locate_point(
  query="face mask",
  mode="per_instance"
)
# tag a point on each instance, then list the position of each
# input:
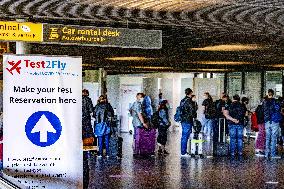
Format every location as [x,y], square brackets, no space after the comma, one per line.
[141,99]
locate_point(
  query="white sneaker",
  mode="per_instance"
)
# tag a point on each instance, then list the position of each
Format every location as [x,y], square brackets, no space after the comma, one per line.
[185,155]
[276,157]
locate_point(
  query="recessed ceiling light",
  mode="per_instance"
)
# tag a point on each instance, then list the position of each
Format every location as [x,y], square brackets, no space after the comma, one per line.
[133,58]
[153,67]
[233,47]
[214,70]
[277,66]
[224,63]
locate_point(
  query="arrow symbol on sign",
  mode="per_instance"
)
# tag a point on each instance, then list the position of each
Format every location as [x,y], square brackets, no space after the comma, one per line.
[43,126]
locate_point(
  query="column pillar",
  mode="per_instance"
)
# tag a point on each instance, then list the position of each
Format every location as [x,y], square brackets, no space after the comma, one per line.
[151,88]
[262,81]
[102,81]
[21,46]
[226,82]
[243,90]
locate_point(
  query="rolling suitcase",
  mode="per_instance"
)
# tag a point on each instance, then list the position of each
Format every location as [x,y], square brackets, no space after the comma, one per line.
[145,141]
[221,147]
[196,144]
[115,144]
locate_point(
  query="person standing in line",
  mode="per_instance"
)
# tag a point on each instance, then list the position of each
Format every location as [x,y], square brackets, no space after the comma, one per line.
[260,140]
[147,108]
[87,132]
[245,102]
[188,114]
[137,113]
[103,114]
[193,97]
[227,102]
[281,138]
[87,110]
[235,114]
[272,118]
[209,112]
[164,124]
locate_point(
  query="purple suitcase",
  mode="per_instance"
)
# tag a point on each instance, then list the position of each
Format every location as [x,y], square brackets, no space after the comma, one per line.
[145,142]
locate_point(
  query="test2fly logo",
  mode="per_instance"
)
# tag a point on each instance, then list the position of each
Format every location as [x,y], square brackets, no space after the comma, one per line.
[54,64]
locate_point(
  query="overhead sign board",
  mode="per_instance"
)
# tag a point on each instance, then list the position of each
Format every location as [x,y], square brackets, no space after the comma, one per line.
[21,31]
[42,120]
[105,37]
[80,35]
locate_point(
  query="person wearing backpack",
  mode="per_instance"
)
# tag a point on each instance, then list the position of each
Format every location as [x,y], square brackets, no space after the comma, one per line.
[209,112]
[235,114]
[163,126]
[272,118]
[103,113]
[185,114]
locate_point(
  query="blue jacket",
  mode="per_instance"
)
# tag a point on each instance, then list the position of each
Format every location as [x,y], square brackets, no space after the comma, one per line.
[271,110]
[147,107]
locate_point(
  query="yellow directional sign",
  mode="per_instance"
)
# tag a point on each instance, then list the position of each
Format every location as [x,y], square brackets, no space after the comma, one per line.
[102,36]
[21,31]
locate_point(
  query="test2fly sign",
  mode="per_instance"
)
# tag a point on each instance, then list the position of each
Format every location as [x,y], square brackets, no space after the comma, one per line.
[42,120]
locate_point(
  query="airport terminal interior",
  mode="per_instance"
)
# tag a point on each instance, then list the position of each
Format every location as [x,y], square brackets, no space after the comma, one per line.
[214,46]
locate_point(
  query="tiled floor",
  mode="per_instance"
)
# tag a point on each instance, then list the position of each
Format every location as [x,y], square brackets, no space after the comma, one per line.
[175,172]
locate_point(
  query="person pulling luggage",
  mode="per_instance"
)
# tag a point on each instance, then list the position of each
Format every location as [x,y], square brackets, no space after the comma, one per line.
[235,114]
[137,113]
[164,124]
[103,113]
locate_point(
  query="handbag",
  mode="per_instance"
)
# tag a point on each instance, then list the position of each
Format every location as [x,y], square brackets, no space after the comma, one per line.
[88,141]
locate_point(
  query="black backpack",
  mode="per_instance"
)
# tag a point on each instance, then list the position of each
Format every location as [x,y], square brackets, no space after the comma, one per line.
[155,120]
[102,113]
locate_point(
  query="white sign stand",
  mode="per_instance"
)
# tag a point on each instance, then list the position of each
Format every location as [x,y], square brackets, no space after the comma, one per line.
[42,120]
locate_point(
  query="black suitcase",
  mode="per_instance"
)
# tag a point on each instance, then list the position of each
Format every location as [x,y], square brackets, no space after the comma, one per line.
[115,145]
[221,147]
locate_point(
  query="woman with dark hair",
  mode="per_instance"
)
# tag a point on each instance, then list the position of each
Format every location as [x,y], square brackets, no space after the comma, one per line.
[87,110]
[209,114]
[163,126]
[103,113]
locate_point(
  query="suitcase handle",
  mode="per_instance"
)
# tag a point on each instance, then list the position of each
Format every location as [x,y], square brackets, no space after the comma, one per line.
[219,137]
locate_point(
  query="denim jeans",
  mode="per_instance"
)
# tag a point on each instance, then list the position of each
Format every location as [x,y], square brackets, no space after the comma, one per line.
[272,132]
[186,130]
[208,127]
[106,137]
[236,138]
